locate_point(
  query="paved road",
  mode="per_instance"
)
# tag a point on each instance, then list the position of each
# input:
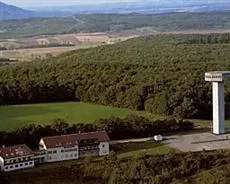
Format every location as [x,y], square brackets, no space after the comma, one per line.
[189,142]
[199,141]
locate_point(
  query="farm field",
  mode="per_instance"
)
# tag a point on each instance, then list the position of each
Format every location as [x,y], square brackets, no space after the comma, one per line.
[26,49]
[33,53]
[19,115]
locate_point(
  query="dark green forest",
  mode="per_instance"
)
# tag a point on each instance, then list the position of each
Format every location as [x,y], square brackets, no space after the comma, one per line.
[170,168]
[115,23]
[162,74]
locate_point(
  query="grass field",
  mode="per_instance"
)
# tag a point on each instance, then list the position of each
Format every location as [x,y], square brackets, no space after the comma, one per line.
[208,123]
[16,116]
[138,149]
[19,115]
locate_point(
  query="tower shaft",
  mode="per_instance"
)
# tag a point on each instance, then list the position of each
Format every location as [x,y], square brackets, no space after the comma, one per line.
[218,107]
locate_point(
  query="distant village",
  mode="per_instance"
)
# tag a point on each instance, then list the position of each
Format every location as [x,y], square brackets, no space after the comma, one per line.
[54,149]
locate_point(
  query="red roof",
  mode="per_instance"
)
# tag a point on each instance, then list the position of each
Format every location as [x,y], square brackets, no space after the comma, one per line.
[73,139]
[15,151]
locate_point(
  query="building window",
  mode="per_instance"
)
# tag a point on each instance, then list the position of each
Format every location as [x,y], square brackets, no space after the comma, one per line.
[11,166]
[103,145]
[21,165]
[6,167]
[31,163]
[66,156]
[50,152]
[26,163]
[16,165]
[54,151]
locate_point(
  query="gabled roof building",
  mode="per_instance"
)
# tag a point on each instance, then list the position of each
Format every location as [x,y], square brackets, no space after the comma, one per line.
[74,146]
[53,149]
[16,157]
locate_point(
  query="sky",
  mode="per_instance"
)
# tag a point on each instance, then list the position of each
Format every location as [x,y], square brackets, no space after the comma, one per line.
[37,3]
[43,3]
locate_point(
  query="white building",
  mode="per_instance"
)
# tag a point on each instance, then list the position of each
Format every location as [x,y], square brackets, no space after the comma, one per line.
[16,157]
[217,78]
[74,146]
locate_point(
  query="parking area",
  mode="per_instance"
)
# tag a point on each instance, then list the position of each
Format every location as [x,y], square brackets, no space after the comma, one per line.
[198,142]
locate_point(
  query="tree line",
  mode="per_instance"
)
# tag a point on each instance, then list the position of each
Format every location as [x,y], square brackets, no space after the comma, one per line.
[117,128]
[208,39]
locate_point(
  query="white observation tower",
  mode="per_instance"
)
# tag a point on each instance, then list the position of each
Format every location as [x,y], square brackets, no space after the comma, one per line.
[217,79]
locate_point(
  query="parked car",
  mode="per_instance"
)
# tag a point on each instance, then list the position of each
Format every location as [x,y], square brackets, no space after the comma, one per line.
[158,138]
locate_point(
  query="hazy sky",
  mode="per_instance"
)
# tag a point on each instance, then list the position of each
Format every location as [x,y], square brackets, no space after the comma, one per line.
[37,3]
[33,3]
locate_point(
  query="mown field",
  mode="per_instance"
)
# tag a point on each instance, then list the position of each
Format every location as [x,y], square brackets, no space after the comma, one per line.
[16,116]
[19,115]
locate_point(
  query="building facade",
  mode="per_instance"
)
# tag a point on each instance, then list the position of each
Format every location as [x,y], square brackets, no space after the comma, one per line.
[16,158]
[54,149]
[74,146]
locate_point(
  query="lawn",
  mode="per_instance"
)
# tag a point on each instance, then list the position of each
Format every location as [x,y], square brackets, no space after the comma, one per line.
[15,116]
[208,123]
[138,149]
[19,115]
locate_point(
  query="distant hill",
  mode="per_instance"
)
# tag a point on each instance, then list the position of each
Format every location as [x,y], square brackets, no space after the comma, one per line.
[142,23]
[144,7]
[148,7]
[13,12]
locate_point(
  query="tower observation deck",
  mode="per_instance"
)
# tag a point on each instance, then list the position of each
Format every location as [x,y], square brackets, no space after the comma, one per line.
[217,79]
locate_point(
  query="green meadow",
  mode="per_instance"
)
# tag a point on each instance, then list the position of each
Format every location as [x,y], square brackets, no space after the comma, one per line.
[16,116]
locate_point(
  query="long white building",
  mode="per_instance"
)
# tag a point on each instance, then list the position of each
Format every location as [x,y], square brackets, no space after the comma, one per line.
[53,149]
[74,146]
[16,157]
